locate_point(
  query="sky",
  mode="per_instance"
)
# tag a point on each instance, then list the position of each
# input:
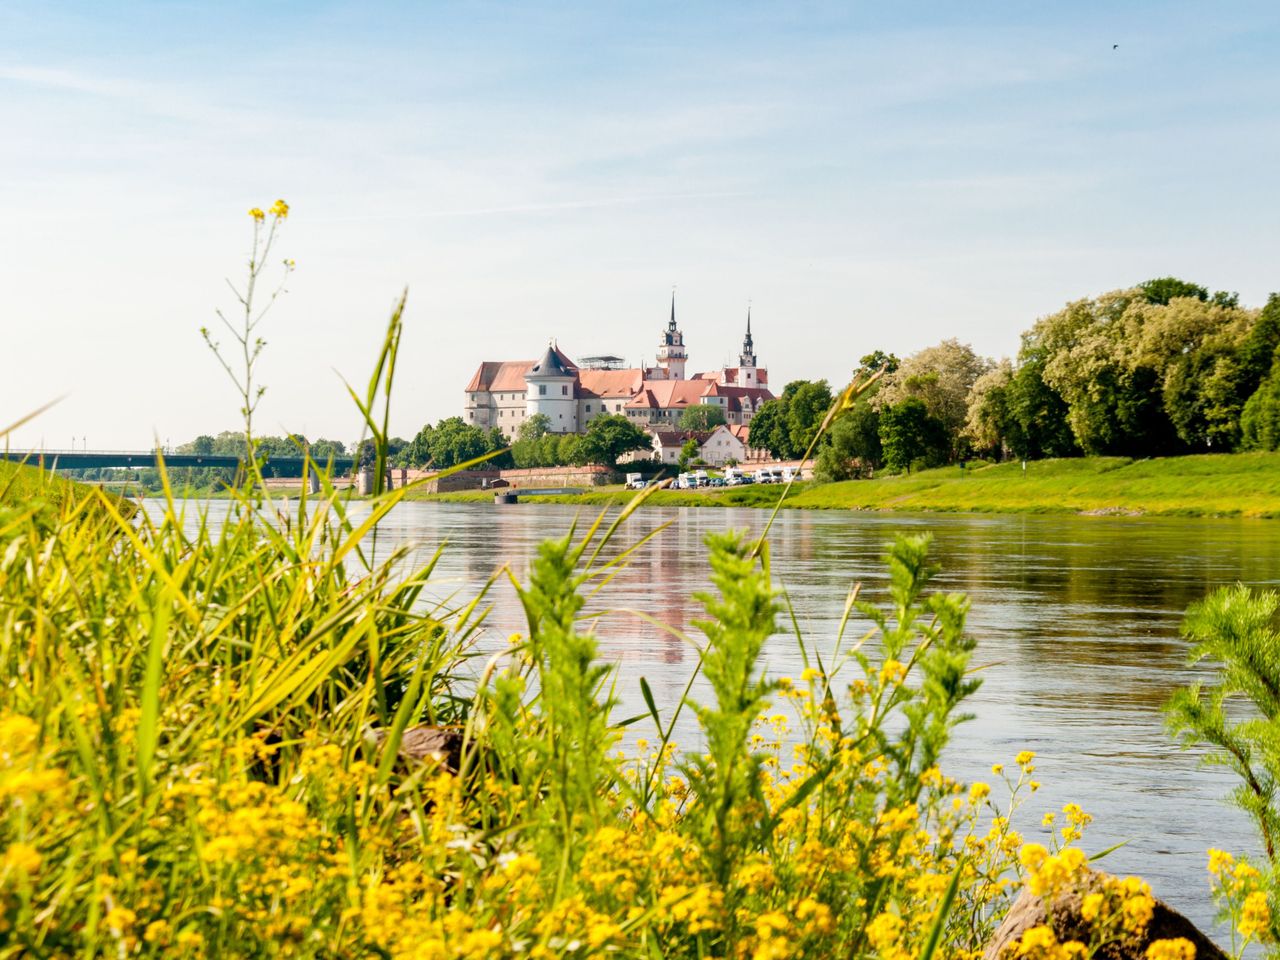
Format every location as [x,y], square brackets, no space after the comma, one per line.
[867,175]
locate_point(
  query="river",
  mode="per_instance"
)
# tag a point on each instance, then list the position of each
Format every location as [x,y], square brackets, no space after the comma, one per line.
[1077,621]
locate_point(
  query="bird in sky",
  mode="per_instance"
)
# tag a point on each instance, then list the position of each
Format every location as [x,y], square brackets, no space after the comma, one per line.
[1115,46]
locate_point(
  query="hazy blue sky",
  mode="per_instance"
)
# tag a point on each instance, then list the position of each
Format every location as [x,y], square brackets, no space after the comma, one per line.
[877,175]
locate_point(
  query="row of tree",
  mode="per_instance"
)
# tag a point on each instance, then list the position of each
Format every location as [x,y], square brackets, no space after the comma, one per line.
[1161,369]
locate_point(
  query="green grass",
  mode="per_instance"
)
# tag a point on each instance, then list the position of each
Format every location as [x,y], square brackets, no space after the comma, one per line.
[1241,484]
[21,483]
[1225,485]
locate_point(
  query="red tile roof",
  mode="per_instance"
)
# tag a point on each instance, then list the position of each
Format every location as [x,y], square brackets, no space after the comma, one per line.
[610,383]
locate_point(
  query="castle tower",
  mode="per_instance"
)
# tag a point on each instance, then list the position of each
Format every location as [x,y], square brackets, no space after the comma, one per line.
[551,389]
[671,355]
[748,370]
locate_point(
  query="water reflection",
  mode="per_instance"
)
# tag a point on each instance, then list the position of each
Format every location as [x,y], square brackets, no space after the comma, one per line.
[1077,620]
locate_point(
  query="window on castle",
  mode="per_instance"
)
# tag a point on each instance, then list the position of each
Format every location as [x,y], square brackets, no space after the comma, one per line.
[542,389]
[564,390]
[588,408]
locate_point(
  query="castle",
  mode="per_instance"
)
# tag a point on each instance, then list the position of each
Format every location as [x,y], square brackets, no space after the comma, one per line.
[505,393]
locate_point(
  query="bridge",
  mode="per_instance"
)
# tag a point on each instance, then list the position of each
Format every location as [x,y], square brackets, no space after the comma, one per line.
[141,459]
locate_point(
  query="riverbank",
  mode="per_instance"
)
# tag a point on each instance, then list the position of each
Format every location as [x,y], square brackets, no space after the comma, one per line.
[1225,485]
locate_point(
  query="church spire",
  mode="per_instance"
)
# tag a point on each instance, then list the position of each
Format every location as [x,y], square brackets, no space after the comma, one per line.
[672,325]
[748,356]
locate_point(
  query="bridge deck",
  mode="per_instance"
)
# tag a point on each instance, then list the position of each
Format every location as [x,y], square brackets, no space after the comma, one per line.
[86,459]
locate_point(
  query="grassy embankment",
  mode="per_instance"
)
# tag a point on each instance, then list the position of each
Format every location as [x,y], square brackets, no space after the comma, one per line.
[24,484]
[1244,484]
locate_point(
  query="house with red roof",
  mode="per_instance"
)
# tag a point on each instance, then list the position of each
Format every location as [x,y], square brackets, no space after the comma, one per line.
[506,393]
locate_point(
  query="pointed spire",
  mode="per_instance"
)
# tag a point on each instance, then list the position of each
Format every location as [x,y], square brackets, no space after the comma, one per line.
[672,325]
[748,356]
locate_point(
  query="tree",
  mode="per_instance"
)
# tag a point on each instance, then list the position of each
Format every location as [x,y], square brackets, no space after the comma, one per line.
[688,452]
[807,407]
[567,450]
[419,452]
[534,428]
[1260,420]
[497,440]
[991,427]
[609,437]
[909,433]
[1164,289]
[526,452]
[875,361]
[201,445]
[853,446]
[453,442]
[703,416]
[942,377]
[768,430]
[1038,414]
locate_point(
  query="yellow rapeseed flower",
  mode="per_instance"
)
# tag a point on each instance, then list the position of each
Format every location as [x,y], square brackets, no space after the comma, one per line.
[1219,860]
[21,858]
[257,214]
[1255,917]
[279,209]
[1178,948]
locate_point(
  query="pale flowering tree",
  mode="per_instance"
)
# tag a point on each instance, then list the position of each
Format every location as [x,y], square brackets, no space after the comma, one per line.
[251,310]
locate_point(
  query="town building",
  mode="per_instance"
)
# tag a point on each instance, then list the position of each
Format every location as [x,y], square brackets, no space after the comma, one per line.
[505,393]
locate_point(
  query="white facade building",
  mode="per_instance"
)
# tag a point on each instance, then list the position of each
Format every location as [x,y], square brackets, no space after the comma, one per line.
[503,394]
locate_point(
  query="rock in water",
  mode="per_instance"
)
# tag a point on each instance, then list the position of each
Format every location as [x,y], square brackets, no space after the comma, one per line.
[1029,911]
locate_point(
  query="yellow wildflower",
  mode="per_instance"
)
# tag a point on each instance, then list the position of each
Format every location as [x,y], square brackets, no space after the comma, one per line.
[257,214]
[22,858]
[1255,917]
[1219,860]
[279,209]
[1179,948]
[884,931]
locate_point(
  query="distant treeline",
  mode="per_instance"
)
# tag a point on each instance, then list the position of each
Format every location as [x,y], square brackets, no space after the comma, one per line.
[1161,369]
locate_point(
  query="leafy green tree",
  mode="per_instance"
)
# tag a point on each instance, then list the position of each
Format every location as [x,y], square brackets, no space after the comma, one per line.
[875,361]
[567,450]
[768,429]
[322,450]
[688,453]
[1164,289]
[1260,420]
[807,406]
[419,452]
[991,427]
[609,437]
[853,446]
[454,441]
[526,451]
[1258,352]
[702,416]
[909,433]
[942,376]
[534,428]
[497,441]
[201,446]
[1038,425]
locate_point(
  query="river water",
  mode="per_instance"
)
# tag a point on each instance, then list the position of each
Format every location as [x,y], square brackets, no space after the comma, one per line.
[1077,621]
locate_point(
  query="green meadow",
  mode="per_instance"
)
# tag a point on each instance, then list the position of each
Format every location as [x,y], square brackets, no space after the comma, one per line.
[1240,484]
